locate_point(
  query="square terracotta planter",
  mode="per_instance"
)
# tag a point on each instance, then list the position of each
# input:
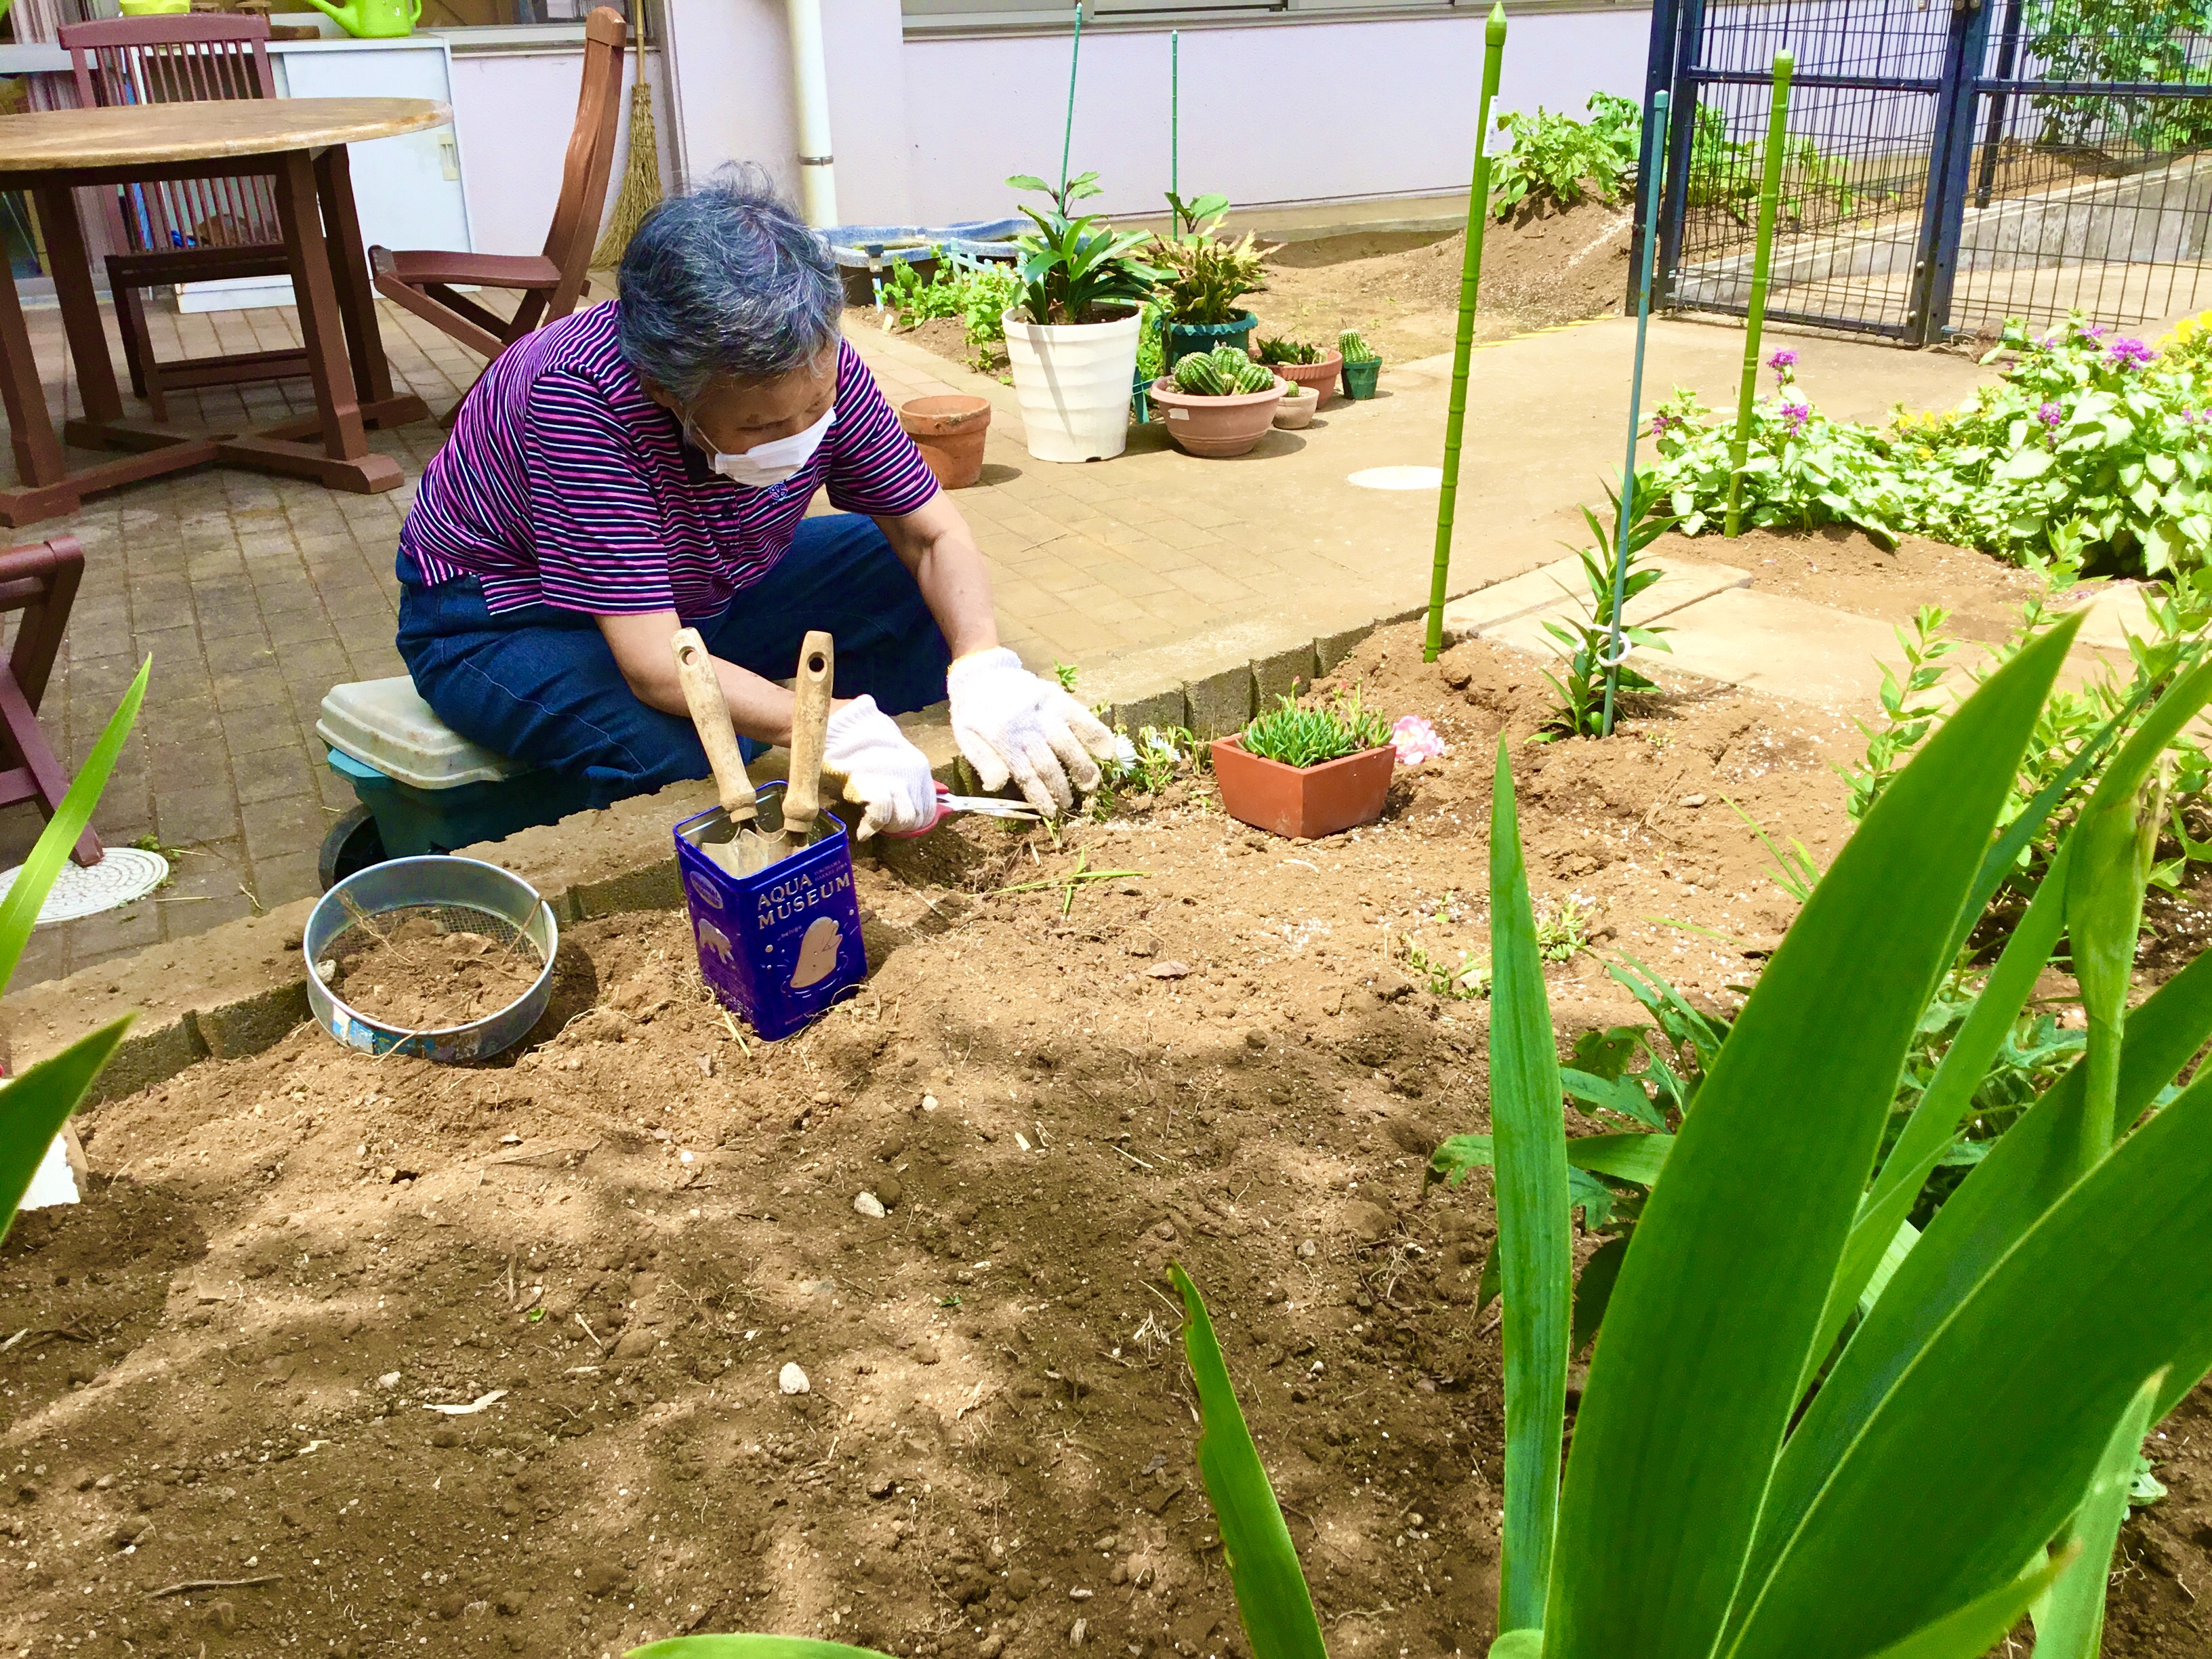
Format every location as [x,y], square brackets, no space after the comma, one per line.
[1304,803]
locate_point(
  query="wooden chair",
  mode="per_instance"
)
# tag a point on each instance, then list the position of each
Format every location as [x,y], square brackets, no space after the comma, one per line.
[40,581]
[550,282]
[186,230]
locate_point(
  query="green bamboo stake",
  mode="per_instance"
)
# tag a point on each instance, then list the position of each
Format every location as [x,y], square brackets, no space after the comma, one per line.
[1770,197]
[1655,148]
[1067,138]
[1470,285]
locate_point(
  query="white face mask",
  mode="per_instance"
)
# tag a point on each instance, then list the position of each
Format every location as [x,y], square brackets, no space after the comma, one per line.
[765,465]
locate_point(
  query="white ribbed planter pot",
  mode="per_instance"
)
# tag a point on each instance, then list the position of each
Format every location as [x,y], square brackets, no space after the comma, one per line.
[1072,380]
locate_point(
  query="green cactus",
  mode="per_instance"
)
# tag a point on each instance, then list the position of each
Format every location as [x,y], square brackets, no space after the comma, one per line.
[1224,372]
[1355,350]
[1200,375]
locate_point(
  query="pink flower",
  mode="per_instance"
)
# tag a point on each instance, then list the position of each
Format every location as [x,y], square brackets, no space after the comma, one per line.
[2125,351]
[1415,740]
[2051,415]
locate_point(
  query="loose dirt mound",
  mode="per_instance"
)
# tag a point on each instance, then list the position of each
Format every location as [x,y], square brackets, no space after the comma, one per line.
[266,1350]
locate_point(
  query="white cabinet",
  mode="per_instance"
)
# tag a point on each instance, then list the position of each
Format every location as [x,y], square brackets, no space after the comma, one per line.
[407,190]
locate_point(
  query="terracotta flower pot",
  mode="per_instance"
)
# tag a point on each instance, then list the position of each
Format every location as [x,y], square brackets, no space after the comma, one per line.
[1304,803]
[948,429]
[1320,378]
[1294,412]
[1216,426]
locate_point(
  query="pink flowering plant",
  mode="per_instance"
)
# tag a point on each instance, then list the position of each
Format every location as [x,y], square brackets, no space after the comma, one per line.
[2093,451]
[1415,739]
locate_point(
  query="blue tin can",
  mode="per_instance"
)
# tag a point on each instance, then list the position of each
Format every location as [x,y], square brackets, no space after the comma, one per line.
[781,945]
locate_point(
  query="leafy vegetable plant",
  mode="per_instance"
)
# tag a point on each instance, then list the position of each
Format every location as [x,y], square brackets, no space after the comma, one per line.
[1075,267]
[1558,159]
[1978,1385]
[35,1106]
[1307,737]
[980,297]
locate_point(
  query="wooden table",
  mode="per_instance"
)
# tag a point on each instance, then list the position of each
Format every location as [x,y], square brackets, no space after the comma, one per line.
[301,142]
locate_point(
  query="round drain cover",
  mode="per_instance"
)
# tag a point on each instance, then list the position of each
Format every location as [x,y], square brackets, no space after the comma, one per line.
[1399,477]
[126,873]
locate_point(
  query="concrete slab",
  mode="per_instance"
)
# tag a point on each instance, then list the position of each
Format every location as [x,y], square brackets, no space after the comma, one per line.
[1784,647]
[1682,583]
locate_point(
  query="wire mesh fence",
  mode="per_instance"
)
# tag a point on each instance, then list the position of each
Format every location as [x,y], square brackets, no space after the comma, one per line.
[1944,169]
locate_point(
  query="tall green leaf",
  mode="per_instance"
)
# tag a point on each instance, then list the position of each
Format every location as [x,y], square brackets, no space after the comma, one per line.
[1263,1564]
[2069,1616]
[1720,1298]
[35,1106]
[1978,1626]
[749,1647]
[1528,1121]
[2004,1414]
[2025,1173]
[19,911]
[1944,1104]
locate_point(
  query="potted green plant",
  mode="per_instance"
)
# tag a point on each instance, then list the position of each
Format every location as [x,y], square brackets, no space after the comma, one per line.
[1202,277]
[1312,366]
[1218,403]
[1297,409]
[1072,337]
[1306,773]
[1362,364]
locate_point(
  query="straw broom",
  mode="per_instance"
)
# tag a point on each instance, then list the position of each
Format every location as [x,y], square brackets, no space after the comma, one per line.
[641,184]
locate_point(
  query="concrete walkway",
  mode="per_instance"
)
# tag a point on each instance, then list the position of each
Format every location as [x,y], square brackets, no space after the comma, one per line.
[1151,572]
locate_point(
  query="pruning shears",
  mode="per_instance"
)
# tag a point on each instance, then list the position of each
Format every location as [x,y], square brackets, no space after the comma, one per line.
[990,806]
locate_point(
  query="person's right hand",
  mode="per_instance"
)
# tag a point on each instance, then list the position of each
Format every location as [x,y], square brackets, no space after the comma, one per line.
[875,767]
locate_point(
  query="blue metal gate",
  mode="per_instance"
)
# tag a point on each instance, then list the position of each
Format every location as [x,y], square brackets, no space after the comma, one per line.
[1948,167]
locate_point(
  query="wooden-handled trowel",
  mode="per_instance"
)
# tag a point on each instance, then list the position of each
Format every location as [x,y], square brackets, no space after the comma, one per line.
[736,844]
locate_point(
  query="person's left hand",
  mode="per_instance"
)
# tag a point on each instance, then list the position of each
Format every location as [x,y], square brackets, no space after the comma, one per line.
[1011,723]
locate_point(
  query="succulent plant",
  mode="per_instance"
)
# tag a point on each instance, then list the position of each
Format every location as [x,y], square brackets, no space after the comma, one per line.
[1224,372]
[1355,350]
[1282,351]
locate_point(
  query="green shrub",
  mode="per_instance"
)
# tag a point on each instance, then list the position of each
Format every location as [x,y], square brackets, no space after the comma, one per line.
[2089,453]
[1203,277]
[980,298]
[1353,350]
[1307,737]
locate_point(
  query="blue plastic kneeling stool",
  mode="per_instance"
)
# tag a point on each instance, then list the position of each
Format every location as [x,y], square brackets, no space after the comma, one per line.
[430,788]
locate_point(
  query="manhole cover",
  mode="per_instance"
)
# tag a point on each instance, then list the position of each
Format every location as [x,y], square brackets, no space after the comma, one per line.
[1399,477]
[126,873]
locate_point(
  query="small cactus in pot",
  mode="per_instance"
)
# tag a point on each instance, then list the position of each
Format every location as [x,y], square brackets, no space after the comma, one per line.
[1362,364]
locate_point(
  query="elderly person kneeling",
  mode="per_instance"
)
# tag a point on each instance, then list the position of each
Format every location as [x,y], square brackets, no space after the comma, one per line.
[646,465]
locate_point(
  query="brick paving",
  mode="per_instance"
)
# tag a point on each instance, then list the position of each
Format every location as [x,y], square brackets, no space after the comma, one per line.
[255,594]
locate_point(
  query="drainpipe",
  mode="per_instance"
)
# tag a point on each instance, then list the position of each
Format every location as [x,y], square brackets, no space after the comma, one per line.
[810,79]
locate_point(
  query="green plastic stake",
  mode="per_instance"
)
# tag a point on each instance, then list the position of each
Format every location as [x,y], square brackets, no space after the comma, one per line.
[1770,197]
[1655,127]
[1067,136]
[1470,285]
[1175,114]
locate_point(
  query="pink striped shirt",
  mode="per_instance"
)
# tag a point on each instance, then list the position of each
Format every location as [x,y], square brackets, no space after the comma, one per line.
[564,484]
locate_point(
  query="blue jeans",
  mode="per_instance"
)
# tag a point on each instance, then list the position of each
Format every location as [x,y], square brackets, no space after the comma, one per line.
[540,684]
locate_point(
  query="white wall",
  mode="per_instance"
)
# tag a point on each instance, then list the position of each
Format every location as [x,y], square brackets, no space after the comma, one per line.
[927,131]
[513,186]
[1382,108]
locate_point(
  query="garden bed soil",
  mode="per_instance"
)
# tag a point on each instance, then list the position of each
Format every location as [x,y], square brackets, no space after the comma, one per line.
[413,977]
[449,1360]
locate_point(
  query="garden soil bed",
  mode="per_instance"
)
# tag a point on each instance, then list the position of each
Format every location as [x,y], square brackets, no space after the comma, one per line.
[470,1361]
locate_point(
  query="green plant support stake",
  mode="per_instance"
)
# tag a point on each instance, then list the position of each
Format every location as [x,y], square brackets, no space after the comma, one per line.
[1068,135]
[1470,285]
[1770,197]
[1654,125]
[1175,114]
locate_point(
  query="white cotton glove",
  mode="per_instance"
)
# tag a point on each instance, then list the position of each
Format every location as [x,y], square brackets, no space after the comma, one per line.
[877,769]
[1011,723]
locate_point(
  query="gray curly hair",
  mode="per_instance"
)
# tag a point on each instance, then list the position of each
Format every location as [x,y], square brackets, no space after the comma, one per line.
[726,280]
